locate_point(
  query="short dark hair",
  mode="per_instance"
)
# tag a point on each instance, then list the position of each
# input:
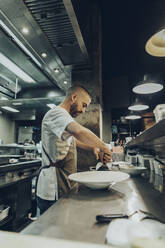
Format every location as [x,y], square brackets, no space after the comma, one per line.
[74,88]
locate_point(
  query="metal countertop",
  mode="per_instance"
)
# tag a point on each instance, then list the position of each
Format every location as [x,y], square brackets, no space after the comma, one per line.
[73,217]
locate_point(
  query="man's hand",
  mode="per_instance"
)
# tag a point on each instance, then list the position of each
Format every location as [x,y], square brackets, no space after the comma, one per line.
[96,152]
[105,155]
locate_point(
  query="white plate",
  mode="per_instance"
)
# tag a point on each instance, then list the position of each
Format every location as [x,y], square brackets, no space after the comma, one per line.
[98,179]
[133,170]
[122,163]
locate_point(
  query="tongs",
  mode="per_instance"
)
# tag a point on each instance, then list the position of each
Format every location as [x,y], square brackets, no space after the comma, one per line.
[148,215]
[106,218]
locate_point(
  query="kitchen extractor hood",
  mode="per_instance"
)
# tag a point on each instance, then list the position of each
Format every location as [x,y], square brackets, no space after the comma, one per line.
[43,41]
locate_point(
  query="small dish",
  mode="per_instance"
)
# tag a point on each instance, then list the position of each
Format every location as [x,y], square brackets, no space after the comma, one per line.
[132,170]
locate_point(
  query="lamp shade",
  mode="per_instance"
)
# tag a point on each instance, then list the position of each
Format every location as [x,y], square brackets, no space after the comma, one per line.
[148,86]
[155,46]
[138,106]
[133,116]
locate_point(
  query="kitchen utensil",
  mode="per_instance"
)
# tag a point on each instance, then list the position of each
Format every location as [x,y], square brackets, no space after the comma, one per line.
[106,218]
[148,215]
[137,215]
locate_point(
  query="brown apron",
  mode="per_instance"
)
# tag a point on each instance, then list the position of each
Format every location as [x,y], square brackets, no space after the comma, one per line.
[66,167]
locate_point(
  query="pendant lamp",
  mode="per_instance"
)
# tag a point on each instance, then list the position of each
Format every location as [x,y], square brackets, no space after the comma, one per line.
[155,46]
[138,106]
[133,116]
[148,85]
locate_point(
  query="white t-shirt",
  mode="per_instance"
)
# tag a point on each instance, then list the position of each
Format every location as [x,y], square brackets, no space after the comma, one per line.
[56,142]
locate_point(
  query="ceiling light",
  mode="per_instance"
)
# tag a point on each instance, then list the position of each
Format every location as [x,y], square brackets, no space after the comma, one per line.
[147,86]
[65,82]
[19,43]
[25,30]
[132,117]
[56,70]
[17,103]
[44,55]
[15,69]
[138,106]
[155,46]
[10,109]
[51,105]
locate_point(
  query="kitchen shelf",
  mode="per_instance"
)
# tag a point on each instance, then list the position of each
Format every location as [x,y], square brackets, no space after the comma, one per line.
[20,165]
[152,139]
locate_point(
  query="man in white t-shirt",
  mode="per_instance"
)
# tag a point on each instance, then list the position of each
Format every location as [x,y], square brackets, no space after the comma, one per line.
[60,136]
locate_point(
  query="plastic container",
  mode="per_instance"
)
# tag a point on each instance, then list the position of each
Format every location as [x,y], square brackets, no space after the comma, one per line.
[159,112]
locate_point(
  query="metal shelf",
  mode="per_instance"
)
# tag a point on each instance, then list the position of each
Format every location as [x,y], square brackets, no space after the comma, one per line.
[152,138]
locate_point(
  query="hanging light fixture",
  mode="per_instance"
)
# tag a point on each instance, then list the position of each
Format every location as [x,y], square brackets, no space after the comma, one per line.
[155,46]
[147,86]
[133,116]
[138,106]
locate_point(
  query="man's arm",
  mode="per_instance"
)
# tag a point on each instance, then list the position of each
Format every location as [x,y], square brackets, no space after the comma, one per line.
[95,150]
[83,146]
[88,138]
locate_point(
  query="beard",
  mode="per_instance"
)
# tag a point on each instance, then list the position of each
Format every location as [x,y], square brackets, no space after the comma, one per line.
[73,110]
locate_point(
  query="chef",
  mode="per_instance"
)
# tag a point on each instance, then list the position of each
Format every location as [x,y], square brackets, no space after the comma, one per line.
[60,136]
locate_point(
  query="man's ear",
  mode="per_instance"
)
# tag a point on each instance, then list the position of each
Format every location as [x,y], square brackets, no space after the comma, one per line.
[74,98]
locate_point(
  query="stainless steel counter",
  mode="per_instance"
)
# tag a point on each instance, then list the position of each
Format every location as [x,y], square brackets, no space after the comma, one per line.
[73,217]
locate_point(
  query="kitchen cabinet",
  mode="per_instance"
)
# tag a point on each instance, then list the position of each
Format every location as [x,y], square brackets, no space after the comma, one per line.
[16,191]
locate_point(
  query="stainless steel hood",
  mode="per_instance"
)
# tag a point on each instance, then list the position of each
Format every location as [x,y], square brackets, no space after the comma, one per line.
[59,23]
[52,29]
[25,49]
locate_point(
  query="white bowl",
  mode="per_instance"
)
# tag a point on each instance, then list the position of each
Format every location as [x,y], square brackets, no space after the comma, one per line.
[132,170]
[98,179]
